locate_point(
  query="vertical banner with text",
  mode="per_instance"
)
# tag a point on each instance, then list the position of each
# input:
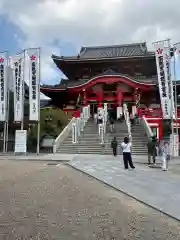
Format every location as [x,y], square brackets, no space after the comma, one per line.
[162,72]
[18,82]
[3,86]
[167,61]
[34,83]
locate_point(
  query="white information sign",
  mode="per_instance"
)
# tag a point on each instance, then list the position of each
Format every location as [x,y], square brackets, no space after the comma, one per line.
[21,141]
[174,145]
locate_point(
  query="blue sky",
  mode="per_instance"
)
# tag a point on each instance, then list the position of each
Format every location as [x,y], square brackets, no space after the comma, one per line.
[12,36]
[177,68]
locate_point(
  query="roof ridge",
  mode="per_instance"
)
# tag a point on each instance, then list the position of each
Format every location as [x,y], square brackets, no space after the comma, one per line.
[115,45]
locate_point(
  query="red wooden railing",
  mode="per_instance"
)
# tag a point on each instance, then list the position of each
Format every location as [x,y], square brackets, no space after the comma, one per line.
[152,113]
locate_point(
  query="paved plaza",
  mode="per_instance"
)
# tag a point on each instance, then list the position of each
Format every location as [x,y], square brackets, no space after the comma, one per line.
[47,201]
[150,185]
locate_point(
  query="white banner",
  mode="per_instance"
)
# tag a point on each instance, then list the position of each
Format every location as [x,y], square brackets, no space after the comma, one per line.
[177,49]
[119,112]
[162,72]
[18,82]
[34,81]
[134,111]
[167,58]
[3,86]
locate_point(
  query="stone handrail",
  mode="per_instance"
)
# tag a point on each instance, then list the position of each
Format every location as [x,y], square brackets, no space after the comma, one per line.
[127,120]
[63,135]
[146,127]
[79,124]
[102,127]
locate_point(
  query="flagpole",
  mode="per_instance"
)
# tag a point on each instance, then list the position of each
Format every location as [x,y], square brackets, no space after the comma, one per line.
[23,80]
[5,96]
[175,87]
[175,92]
[39,126]
[170,88]
[7,116]
[7,124]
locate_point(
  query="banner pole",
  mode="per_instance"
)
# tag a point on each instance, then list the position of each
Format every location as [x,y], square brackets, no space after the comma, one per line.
[7,121]
[171,93]
[38,123]
[175,92]
[5,96]
[175,89]
[7,102]
[24,67]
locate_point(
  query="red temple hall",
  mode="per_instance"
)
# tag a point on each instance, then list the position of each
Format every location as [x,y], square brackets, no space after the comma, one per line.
[109,74]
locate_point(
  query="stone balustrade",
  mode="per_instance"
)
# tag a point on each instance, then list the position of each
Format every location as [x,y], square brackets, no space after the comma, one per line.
[127,120]
[79,124]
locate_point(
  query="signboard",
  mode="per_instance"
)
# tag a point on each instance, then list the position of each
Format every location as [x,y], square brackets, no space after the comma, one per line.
[21,141]
[174,145]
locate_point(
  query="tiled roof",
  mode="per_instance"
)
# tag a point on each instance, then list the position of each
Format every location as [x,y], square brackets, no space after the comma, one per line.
[126,50]
[114,51]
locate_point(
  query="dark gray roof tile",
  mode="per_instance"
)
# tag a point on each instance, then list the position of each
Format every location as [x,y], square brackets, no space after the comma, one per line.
[127,50]
[114,51]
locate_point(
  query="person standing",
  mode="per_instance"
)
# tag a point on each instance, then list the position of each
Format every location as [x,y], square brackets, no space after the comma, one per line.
[165,156]
[100,118]
[131,119]
[111,124]
[114,145]
[126,146]
[151,146]
[95,118]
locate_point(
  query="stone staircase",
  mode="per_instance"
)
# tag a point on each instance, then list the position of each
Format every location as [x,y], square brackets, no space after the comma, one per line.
[139,139]
[120,132]
[88,144]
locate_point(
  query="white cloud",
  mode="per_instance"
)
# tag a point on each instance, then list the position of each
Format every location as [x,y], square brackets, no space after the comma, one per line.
[90,22]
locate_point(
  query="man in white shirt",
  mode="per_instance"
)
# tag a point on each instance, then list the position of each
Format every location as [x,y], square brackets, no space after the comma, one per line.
[126,149]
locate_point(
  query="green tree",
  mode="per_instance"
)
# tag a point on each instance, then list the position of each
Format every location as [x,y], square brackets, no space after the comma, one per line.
[52,122]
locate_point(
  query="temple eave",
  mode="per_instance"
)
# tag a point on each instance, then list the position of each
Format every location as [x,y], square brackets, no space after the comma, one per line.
[76,59]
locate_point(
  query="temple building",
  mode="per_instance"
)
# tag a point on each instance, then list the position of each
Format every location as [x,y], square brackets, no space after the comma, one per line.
[109,74]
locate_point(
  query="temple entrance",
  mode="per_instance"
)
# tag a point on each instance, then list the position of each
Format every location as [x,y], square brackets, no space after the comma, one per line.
[93,108]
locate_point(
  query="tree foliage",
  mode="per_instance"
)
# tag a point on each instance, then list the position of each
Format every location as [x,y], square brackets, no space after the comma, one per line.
[52,122]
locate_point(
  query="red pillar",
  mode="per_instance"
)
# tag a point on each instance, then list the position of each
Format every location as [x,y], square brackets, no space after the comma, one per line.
[100,96]
[119,97]
[137,97]
[85,102]
[160,129]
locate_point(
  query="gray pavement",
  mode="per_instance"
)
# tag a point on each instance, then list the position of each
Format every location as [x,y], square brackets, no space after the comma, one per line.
[69,157]
[152,186]
[40,157]
[40,201]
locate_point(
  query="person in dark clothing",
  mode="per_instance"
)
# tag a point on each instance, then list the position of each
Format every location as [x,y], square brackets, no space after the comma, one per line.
[151,145]
[114,145]
[131,119]
[127,158]
[111,124]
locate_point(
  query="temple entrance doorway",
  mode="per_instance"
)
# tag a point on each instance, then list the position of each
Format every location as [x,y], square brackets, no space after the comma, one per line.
[93,108]
[129,106]
[112,114]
